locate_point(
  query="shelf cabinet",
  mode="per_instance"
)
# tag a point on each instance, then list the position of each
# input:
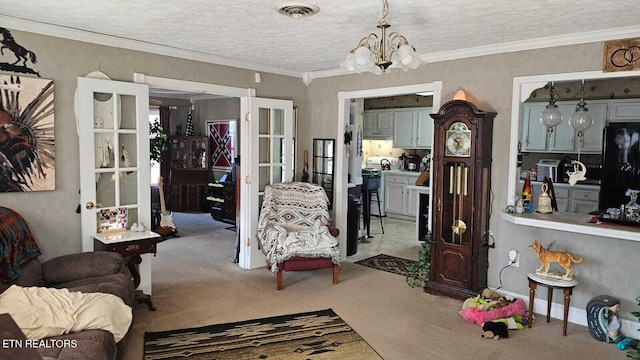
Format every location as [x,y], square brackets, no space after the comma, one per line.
[563,139]
[412,128]
[400,202]
[187,187]
[377,124]
[188,152]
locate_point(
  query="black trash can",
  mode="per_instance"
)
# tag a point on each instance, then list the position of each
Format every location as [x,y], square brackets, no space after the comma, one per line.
[353,224]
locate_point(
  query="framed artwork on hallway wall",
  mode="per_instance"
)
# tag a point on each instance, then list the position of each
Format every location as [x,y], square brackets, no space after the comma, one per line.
[27,139]
[223,143]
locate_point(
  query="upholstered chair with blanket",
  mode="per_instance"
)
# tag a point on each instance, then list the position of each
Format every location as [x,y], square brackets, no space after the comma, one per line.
[82,274]
[294,229]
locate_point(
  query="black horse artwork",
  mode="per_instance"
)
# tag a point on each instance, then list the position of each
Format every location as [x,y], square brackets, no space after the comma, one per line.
[22,55]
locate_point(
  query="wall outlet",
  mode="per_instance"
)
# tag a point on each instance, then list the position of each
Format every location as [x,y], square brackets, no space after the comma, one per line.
[514,258]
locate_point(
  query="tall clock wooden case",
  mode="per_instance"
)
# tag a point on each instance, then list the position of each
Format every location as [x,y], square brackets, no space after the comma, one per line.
[461,199]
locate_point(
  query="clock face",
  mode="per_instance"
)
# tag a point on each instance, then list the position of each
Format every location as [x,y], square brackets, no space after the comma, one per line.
[458,140]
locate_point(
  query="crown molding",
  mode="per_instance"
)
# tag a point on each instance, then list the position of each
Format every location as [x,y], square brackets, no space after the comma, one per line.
[307,77]
[100,39]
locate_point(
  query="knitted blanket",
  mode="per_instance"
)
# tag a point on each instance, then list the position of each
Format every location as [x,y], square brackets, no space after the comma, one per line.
[17,244]
[293,222]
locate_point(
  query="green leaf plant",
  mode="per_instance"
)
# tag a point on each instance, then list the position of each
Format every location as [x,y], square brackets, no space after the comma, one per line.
[419,272]
[635,353]
[158,142]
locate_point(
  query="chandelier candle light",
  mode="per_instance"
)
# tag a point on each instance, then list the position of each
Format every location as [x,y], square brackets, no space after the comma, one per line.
[375,54]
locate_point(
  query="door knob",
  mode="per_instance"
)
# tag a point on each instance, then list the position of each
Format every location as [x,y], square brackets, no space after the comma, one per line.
[90,205]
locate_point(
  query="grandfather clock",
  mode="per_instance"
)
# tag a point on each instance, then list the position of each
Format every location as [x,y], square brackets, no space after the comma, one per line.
[461,200]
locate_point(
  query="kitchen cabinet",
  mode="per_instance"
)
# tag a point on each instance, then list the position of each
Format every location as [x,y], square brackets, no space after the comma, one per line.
[624,110]
[377,124]
[400,202]
[578,199]
[412,128]
[563,139]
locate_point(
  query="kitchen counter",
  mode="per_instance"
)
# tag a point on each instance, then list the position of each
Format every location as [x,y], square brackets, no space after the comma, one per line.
[407,173]
[574,223]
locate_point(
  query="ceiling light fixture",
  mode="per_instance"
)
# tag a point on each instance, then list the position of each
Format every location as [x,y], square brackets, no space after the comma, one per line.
[551,116]
[581,120]
[375,54]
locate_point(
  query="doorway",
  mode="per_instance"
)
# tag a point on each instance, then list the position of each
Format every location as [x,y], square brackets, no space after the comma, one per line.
[344,101]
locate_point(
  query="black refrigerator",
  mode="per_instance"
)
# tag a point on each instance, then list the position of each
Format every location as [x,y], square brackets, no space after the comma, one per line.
[620,164]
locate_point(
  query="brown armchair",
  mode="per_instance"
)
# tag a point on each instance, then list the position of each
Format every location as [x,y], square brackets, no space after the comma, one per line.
[99,271]
[294,231]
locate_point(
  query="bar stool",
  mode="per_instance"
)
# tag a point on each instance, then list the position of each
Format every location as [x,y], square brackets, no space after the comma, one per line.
[551,283]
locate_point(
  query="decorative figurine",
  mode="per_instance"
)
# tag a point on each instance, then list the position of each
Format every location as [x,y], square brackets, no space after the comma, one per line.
[602,318]
[544,201]
[578,172]
[564,259]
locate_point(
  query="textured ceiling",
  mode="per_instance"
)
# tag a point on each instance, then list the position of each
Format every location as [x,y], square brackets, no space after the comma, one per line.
[252,34]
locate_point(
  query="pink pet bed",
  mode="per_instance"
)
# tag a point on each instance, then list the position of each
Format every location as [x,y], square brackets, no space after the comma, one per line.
[479,316]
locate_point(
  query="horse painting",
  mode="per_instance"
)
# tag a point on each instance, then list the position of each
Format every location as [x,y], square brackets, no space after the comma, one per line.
[22,54]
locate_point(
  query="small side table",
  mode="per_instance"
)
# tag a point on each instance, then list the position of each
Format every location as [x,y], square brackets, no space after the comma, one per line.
[131,245]
[551,283]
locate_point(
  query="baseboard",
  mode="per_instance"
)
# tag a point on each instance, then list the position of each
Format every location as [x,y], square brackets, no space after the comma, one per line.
[578,316]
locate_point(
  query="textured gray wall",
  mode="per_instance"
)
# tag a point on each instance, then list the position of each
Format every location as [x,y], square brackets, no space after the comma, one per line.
[51,214]
[609,264]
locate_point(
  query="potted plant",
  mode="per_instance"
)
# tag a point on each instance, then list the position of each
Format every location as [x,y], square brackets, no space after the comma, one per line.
[158,142]
[635,353]
[419,272]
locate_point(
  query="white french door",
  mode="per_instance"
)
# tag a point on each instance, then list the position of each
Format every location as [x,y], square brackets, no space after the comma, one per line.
[113,126]
[267,158]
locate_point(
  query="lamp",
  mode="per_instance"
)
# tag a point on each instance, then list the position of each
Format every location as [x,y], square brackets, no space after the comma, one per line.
[375,54]
[551,116]
[581,120]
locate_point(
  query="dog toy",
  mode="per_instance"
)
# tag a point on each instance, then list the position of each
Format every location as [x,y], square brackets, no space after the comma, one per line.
[495,330]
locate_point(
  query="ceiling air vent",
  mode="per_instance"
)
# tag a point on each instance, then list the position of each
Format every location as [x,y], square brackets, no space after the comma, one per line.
[297,10]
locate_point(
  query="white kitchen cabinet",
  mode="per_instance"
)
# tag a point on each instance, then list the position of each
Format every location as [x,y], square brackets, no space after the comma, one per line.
[400,201]
[624,110]
[563,138]
[411,207]
[394,201]
[583,201]
[579,199]
[378,124]
[404,129]
[425,128]
[412,128]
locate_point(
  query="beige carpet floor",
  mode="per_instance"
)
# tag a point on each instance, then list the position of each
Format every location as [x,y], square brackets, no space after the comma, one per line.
[195,283]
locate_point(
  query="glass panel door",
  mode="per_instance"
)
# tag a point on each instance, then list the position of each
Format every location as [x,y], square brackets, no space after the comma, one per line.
[114,169]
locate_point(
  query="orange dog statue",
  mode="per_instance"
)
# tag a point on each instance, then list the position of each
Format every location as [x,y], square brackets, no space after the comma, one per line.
[564,259]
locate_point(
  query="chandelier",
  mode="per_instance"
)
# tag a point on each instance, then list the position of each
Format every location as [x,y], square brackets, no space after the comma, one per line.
[375,54]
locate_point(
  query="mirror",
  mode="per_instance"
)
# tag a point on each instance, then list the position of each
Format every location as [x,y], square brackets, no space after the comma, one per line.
[323,162]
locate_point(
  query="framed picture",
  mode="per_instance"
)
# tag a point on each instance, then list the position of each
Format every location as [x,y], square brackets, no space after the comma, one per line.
[223,142]
[621,55]
[27,141]
[113,220]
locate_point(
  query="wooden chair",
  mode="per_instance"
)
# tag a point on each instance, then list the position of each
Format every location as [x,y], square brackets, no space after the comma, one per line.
[294,231]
